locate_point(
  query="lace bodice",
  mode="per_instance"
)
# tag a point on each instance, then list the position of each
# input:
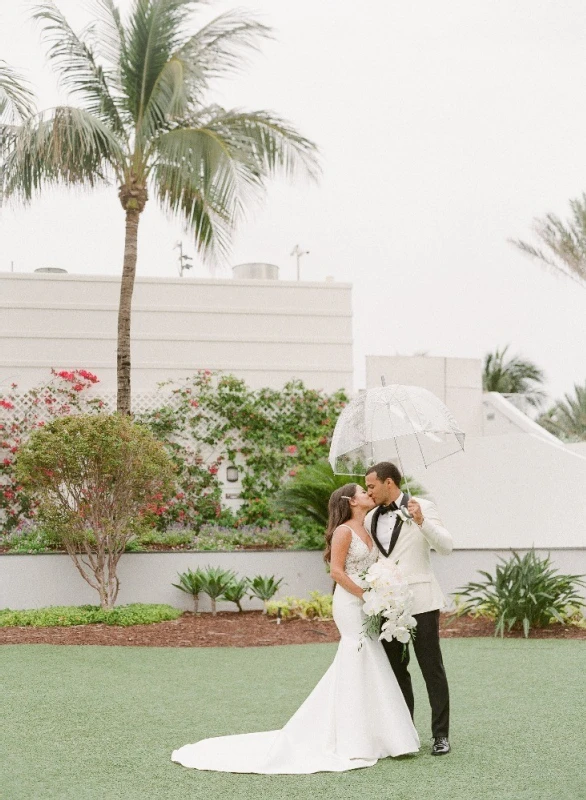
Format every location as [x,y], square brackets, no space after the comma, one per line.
[359,557]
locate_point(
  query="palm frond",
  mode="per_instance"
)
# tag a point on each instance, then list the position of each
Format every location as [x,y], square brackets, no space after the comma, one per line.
[17,100]
[206,179]
[109,32]
[69,146]
[221,47]
[271,143]
[512,375]
[567,418]
[564,243]
[76,64]
[168,101]
[155,30]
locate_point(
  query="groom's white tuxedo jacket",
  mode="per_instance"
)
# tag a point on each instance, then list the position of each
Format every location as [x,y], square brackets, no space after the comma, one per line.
[412,552]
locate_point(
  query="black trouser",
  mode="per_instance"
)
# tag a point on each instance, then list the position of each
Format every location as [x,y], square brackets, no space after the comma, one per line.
[429,657]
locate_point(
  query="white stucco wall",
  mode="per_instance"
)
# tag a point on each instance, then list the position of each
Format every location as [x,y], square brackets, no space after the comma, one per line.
[35,581]
[264,331]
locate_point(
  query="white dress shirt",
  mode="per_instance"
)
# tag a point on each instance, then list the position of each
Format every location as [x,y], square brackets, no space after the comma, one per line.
[385,525]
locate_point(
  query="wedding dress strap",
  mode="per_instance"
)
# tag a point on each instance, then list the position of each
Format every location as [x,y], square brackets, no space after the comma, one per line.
[343,525]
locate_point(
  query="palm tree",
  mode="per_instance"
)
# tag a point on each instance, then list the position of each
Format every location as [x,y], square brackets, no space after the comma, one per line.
[146,122]
[512,376]
[564,243]
[567,418]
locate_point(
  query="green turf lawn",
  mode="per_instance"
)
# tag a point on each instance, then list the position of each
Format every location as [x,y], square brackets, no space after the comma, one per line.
[101,722]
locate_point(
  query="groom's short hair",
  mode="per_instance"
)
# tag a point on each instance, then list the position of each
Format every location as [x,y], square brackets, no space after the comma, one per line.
[386,469]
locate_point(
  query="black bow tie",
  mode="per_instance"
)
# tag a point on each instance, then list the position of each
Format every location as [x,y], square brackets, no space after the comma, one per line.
[391,507]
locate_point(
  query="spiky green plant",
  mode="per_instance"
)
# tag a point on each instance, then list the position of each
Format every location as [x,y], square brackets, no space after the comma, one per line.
[265,587]
[236,591]
[215,581]
[562,245]
[513,375]
[525,591]
[308,493]
[567,418]
[191,583]
[146,123]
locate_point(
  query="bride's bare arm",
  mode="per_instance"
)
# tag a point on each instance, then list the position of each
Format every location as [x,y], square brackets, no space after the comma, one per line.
[340,544]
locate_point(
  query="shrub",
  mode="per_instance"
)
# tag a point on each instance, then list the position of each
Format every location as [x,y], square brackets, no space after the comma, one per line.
[64,616]
[213,537]
[95,477]
[524,592]
[319,606]
[65,393]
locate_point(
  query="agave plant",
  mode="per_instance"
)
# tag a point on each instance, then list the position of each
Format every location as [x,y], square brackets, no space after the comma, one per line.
[146,123]
[215,581]
[308,494]
[265,587]
[236,591]
[191,583]
[525,591]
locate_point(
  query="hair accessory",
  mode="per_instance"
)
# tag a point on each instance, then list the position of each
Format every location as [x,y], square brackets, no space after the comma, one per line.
[345,497]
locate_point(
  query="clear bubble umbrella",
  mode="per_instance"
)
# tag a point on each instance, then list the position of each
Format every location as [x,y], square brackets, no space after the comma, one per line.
[408,425]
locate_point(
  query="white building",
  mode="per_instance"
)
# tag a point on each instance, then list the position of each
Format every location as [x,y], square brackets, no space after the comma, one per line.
[263,330]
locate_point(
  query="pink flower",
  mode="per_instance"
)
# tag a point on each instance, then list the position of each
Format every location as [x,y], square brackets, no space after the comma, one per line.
[194,403]
[291,449]
[89,376]
[292,472]
[67,376]
[6,404]
[78,387]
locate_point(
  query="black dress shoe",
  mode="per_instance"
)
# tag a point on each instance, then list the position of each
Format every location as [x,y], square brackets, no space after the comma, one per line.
[440,746]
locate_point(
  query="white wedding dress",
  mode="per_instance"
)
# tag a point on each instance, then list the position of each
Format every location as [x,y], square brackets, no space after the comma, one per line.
[355,715]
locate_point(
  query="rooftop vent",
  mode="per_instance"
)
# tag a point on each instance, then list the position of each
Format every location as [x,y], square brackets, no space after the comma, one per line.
[259,272]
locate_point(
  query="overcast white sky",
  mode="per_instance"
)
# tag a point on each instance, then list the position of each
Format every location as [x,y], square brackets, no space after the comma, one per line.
[445,127]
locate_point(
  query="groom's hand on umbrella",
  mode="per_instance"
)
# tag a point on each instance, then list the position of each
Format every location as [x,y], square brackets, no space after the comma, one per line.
[414,509]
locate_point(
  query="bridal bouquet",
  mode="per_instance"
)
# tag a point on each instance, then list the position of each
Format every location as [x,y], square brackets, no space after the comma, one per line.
[388,603]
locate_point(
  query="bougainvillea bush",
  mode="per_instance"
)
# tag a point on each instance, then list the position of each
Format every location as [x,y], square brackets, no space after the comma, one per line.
[268,433]
[64,394]
[205,422]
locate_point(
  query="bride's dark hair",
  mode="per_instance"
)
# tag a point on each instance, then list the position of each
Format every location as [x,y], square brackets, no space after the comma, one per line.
[339,511]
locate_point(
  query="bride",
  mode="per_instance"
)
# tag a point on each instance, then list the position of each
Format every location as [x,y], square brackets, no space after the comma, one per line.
[356,714]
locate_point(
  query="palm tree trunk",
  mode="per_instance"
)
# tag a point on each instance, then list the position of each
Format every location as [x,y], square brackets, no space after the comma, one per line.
[124,310]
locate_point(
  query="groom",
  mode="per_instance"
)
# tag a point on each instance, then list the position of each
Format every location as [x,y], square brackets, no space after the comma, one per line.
[409,544]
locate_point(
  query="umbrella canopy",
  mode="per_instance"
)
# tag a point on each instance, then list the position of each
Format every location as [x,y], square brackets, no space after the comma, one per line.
[407,424]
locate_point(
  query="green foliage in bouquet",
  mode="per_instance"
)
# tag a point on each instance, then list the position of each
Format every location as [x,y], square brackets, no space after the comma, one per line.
[525,591]
[318,606]
[64,616]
